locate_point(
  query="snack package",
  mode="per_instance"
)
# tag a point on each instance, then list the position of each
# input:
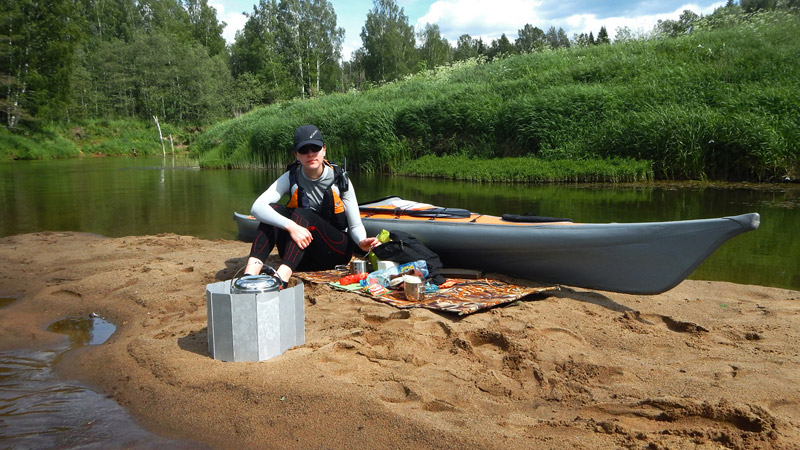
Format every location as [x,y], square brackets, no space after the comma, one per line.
[393,277]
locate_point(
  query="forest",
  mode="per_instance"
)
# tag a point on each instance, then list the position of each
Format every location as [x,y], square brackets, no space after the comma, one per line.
[696,97]
[66,60]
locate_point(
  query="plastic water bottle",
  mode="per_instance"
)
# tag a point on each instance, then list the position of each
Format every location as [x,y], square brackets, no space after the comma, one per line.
[377,277]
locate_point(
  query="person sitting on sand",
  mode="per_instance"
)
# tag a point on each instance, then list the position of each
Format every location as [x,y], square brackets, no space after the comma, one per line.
[319,227]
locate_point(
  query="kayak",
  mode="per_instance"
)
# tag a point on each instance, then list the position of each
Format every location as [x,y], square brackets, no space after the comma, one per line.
[634,258]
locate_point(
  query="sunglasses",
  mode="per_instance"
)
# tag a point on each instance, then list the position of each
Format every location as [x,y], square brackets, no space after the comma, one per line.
[309,149]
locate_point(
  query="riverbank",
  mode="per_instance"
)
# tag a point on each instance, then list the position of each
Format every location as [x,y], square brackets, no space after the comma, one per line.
[96,137]
[703,365]
[718,103]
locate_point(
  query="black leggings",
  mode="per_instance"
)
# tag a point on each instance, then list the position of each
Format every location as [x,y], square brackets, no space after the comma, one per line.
[329,245]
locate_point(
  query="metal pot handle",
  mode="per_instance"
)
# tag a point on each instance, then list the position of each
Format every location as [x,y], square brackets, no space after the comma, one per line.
[233,280]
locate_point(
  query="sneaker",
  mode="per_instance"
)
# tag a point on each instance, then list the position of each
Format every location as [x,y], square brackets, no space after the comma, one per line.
[284,284]
[268,270]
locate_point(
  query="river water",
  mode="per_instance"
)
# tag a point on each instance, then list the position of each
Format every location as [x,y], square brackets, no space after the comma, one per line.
[40,410]
[138,196]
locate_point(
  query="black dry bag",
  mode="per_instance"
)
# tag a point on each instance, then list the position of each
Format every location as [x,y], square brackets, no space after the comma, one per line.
[405,248]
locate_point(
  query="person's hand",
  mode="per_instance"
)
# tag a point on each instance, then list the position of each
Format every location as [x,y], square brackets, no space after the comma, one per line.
[300,235]
[368,243]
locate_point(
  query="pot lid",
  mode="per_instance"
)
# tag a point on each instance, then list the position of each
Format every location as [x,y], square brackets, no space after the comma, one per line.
[254,284]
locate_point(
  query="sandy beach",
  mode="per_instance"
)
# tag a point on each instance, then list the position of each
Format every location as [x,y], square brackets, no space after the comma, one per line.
[707,365]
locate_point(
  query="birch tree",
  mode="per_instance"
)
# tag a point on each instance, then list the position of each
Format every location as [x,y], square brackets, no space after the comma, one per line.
[206,29]
[323,40]
[256,52]
[434,50]
[530,39]
[388,41]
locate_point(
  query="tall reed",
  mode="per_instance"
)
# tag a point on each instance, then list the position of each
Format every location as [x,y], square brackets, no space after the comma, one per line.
[529,169]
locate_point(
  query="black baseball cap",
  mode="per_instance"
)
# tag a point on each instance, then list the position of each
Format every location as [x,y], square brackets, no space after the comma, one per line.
[307,135]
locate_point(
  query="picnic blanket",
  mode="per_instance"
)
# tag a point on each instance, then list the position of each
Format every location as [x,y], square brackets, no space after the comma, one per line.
[456,295]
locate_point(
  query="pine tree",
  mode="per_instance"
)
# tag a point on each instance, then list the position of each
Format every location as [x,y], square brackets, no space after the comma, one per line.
[602,36]
[563,40]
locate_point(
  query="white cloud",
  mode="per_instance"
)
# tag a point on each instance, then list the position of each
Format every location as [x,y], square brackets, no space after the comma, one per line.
[235,21]
[584,23]
[489,20]
[480,18]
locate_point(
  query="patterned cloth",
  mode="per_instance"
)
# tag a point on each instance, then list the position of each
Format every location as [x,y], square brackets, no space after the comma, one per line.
[457,295]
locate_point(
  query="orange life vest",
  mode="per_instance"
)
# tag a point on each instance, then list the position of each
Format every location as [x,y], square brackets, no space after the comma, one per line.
[332,207]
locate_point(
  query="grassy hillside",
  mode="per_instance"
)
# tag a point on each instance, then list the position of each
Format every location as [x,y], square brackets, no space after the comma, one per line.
[90,137]
[38,144]
[721,103]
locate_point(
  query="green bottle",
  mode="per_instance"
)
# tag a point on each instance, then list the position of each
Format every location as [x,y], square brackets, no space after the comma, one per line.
[383,237]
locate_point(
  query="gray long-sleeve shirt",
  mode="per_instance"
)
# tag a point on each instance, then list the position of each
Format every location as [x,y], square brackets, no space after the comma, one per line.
[315,189]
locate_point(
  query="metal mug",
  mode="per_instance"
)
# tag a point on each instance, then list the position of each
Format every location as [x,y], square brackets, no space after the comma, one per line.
[414,288]
[358,266]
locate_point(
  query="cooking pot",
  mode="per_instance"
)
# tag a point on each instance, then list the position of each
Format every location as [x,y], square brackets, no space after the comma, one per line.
[255,284]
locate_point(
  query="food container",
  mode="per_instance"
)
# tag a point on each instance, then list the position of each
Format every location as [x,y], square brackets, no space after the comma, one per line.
[414,288]
[358,266]
[383,265]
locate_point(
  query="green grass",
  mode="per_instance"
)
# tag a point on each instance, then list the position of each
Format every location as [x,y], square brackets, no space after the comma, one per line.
[106,137]
[529,169]
[42,144]
[120,137]
[717,104]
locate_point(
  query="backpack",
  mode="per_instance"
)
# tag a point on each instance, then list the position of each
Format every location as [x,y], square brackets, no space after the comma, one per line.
[405,248]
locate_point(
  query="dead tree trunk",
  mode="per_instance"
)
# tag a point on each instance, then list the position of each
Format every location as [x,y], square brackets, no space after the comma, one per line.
[160,137]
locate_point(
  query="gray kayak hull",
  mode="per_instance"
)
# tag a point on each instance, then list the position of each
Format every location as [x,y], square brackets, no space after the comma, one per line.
[635,258]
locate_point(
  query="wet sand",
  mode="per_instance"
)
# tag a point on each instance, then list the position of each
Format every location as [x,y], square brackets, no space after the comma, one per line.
[707,365]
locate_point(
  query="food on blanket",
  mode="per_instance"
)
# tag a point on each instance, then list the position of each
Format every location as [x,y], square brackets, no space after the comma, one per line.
[377,290]
[384,277]
[396,282]
[352,279]
[385,265]
[383,237]
[358,266]
[414,288]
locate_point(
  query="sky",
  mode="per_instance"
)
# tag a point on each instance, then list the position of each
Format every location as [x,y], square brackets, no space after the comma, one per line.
[490,19]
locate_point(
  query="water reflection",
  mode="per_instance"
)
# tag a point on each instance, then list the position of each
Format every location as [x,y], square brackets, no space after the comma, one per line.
[81,331]
[37,410]
[138,196]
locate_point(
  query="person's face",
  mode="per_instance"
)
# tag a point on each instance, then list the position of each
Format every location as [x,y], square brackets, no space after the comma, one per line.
[311,156]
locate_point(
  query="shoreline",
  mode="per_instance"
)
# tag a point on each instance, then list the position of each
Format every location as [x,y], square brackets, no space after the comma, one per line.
[682,369]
